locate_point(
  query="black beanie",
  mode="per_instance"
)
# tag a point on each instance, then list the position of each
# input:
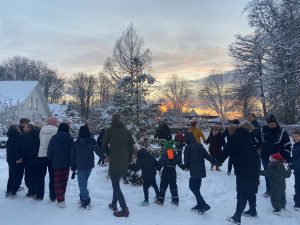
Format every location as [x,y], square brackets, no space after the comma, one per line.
[272,119]
[63,127]
[236,122]
[84,132]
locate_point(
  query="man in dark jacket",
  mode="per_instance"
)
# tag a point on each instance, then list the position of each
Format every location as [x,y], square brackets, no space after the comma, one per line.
[147,164]
[295,165]
[99,142]
[119,151]
[163,131]
[194,155]
[14,158]
[31,144]
[273,139]
[241,148]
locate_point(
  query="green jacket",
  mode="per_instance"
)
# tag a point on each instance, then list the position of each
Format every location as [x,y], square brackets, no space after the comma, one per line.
[277,173]
[118,145]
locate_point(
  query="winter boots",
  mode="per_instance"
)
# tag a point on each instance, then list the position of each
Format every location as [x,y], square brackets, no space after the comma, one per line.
[122,213]
[250,213]
[114,208]
[233,220]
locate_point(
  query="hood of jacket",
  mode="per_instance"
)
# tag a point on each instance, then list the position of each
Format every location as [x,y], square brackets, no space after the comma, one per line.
[242,132]
[189,138]
[62,137]
[11,134]
[117,124]
[142,153]
[84,141]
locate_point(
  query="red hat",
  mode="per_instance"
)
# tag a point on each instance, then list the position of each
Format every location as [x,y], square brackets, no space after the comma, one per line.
[276,157]
[193,123]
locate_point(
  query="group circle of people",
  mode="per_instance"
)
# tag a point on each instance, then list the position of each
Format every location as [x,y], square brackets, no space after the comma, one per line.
[36,149]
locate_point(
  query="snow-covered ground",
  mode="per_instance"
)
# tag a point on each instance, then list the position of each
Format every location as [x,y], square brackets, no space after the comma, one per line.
[218,190]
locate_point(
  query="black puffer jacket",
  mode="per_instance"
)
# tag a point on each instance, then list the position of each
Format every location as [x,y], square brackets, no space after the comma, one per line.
[31,144]
[194,155]
[59,150]
[241,148]
[14,147]
[83,154]
[274,141]
[145,162]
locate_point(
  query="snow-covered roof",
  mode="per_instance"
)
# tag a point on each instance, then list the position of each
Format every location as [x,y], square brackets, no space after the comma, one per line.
[58,109]
[16,92]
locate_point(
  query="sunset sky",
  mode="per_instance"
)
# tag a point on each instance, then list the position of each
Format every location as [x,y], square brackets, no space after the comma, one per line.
[189,37]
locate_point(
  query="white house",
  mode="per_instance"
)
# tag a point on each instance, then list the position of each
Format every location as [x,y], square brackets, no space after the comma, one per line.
[20,99]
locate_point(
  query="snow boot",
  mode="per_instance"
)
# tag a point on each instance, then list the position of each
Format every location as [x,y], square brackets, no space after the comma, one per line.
[7,194]
[13,196]
[233,220]
[20,189]
[195,208]
[277,212]
[122,213]
[158,202]
[61,205]
[114,208]
[267,194]
[204,209]
[144,203]
[250,213]
[297,208]
[85,204]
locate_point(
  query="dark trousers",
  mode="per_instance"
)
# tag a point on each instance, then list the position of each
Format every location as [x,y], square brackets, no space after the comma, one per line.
[265,164]
[195,185]
[42,165]
[242,199]
[297,190]
[164,183]
[61,177]
[117,193]
[15,175]
[147,184]
[230,165]
[30,176]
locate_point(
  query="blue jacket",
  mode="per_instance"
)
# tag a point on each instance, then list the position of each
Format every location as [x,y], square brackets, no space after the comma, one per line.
[295,165]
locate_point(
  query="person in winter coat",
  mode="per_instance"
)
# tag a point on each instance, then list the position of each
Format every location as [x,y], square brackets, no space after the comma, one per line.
[168,162]
[242,150]
[59,155]
[197,132]
[295,165]
[99,142]
[163,131]
[83,160]
[179,143]
[229,131]
[216,143]
[120,149]
[273,139]
[23,123]
[148,165]
[252,119]
[14,158]
[31,144]
[46,133]
[194,155]
[277,173]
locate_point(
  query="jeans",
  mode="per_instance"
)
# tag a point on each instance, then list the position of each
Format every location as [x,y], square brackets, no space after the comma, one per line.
[297,190]
[265,164]
[82,178]
[42,165]
[15,175]
[146,185]
[117,193]
[195,185]
[242,199]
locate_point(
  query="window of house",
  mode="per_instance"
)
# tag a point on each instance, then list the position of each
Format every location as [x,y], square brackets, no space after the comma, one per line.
[36,104]
[31,103]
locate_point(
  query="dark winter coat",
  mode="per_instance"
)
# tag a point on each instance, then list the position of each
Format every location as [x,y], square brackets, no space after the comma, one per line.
[274,141]
[277,173]
[120,150]
[295,165]
[59,150]
[82,156]
[146,163]
[31,144]
[216,143]
[194,155]
[255,124]
[14,150]
[241,148]
[163,132]
[169,166]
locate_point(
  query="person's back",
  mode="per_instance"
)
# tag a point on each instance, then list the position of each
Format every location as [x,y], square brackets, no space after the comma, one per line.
[31,144]
[46,133]
[147,163]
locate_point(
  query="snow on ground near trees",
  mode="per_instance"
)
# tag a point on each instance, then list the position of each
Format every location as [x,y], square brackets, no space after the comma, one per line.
[218,190]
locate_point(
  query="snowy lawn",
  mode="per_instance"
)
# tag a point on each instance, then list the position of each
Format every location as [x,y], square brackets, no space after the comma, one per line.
[218,190]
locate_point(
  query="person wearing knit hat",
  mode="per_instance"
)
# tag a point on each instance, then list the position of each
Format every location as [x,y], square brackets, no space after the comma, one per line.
[272,139]
[197,132]
[277,173]
[168,162]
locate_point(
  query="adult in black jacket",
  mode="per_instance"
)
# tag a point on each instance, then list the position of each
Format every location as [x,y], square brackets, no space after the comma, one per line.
[31,144]
[147,164]
[83,160]
[242,150]
[194,155]
[273,139]
[14,158]
[163,131]
[59,155]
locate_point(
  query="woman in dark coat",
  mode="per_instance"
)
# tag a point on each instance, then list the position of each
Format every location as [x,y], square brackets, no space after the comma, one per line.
[242,150]
[14,158]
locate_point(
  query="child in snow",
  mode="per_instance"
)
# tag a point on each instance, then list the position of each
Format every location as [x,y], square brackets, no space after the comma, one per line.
[168,162]
[82,160]
[295,165]
[194,156]
[277,173]
[147,164]
[216,142]
[179,139]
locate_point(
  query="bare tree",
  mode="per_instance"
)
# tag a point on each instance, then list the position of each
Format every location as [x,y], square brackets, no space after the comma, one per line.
[105,89]
[215,95]
[177,94]
[83,87]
